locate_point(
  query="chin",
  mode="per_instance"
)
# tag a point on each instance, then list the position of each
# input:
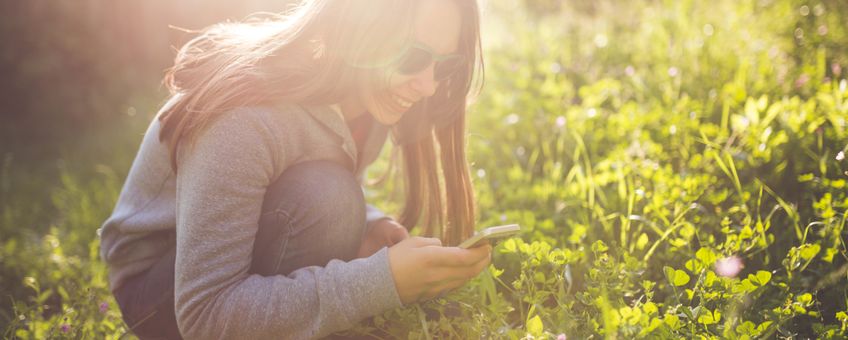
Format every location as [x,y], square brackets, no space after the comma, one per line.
[386,118]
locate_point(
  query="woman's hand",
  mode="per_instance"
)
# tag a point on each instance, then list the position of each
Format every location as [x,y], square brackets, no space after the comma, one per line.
[384,233]
[423,269]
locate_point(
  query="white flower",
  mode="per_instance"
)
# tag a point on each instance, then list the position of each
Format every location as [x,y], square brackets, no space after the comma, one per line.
[729,266]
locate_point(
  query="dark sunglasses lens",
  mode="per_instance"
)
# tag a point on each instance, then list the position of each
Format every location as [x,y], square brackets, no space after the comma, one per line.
[446,68]
[415,60]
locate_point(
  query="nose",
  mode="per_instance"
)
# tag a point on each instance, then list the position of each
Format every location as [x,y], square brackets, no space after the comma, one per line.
[424,83]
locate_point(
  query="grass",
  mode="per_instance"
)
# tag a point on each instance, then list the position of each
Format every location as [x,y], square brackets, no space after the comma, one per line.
[636,143]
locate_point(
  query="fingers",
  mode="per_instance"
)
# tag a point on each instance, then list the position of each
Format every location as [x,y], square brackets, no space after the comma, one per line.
[464,273]
[457,278]
[458,257]
[434,269]
[446,275]
[480,265]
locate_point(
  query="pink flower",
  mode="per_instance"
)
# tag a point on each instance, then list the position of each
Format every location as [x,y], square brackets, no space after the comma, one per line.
[673,71]
[561,336]
[104,306]
[560,121]
[729,266]
[802,80]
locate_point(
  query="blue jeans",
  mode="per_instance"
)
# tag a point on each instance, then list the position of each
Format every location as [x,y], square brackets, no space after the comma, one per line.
[313,213]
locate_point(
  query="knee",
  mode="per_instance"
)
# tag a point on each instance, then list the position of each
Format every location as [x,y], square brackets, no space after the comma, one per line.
[319,188]
[314,212]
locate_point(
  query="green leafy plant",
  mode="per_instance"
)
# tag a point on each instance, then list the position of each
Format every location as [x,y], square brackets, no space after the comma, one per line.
[678,171]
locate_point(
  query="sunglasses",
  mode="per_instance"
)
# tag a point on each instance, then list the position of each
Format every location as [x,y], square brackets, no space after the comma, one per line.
[419,56]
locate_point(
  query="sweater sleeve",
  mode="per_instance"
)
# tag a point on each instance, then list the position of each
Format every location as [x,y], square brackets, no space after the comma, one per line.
[221,182]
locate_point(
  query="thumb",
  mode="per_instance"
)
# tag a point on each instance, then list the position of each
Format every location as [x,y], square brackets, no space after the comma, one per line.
[425,241]
[398,234]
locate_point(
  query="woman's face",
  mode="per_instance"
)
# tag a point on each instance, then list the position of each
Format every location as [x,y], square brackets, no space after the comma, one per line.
[437,26]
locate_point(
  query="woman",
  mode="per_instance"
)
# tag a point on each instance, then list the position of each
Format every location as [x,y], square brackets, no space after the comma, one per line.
[243,216]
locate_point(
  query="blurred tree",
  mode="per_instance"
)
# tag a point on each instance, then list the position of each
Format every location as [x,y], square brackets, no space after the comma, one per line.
[69,66]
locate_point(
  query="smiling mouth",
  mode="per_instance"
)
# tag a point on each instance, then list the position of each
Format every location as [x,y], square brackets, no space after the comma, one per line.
[403,103]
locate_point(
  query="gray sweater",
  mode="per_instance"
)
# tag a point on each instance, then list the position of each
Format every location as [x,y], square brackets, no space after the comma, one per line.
[214,204]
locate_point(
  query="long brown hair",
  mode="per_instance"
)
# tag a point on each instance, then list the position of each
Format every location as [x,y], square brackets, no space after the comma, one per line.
[309,56]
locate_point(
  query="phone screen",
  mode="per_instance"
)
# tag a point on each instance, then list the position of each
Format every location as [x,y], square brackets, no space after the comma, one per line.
[490,235]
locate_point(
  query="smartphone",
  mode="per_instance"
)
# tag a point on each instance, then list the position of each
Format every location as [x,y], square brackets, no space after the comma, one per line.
[490,234]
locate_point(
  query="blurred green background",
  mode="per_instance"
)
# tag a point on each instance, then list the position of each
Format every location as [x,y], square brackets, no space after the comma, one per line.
[73,66]
[629,136]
